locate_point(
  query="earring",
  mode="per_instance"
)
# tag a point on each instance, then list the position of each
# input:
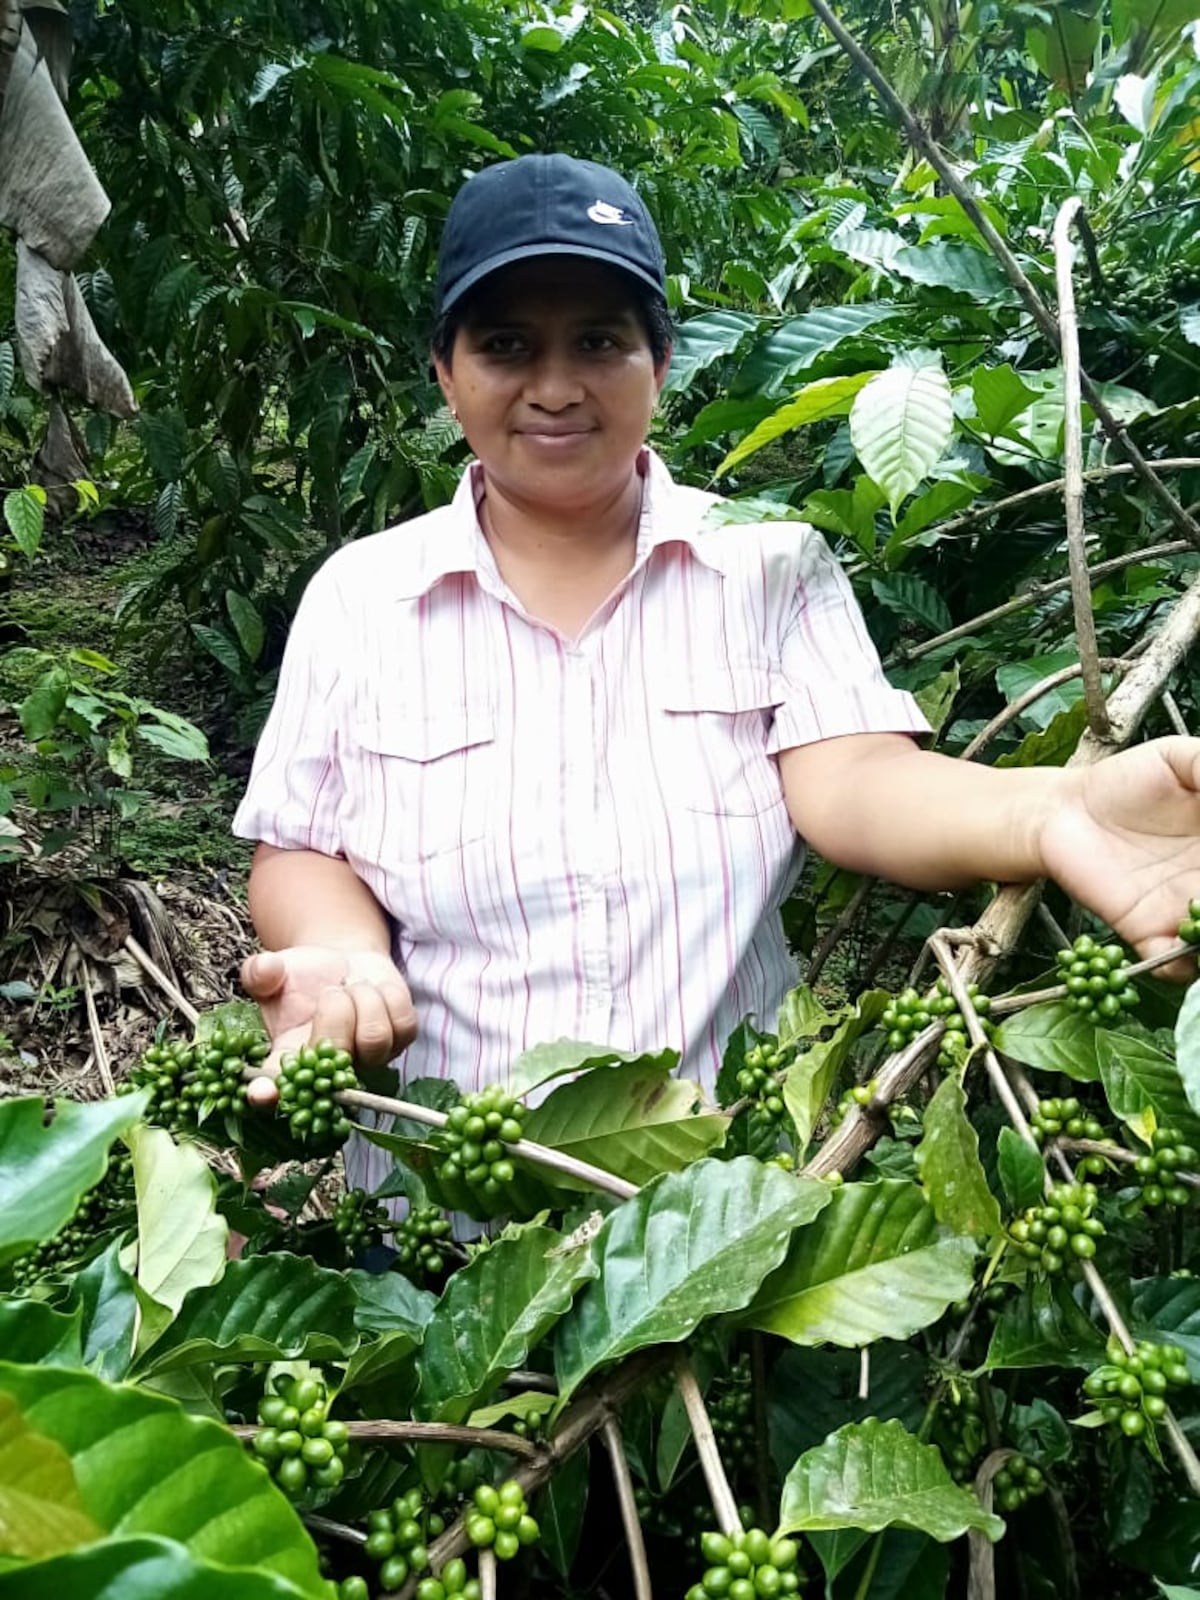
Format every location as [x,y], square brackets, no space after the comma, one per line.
[454,412]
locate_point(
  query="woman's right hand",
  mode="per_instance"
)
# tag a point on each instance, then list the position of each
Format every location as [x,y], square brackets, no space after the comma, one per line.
[356,998]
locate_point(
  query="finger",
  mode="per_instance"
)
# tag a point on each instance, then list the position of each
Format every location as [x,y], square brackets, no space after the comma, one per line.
[334,1017]
[263,974]
[1181,971]
[401,1013]
[262,1091]
[374,1032]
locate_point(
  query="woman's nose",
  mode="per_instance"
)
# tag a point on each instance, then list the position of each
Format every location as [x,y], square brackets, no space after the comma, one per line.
[553,383]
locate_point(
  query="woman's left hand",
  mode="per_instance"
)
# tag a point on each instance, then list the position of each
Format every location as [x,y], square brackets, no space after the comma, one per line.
[1124,840]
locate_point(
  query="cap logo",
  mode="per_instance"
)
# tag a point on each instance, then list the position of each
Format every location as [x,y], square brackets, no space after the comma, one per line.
[601,211]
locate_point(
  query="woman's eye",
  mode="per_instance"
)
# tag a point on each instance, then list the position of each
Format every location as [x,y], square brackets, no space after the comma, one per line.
[599,341]
[502,344]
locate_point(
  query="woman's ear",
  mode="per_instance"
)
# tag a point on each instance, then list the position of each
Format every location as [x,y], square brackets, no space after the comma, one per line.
[445,380]
[662,368]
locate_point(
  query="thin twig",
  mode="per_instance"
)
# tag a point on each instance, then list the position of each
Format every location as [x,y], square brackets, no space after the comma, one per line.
[724,1501]
[427,1433]
[541,1155]
[1015,707]
[639,1565]
[332,1529]
[1117,1152]
[487,1575]
[151,968]
[1081,593]
[99,1052]
[1174,715]
[834,933]
[920,138]
[1040,591]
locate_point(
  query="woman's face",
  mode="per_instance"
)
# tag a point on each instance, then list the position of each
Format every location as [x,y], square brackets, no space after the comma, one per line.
[554,382]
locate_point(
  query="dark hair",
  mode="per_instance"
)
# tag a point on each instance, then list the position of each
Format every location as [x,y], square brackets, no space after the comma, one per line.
[650,308]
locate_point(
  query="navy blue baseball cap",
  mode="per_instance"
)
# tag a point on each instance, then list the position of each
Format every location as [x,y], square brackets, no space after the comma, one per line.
[545,205]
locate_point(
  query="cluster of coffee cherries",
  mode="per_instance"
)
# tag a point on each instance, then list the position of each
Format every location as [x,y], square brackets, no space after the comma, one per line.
[530,1425]
[309,1078]
[300,1443]
[474,1138]
[1131,1390]
[746,1566]
[193,1083]
[359,1221]
[956,1041]
[88,1221]
[758,1079]
[1158,1170]
[1189,928]
[1016,1482]
[1065,1115]
[731,1410]
[962,1434]
[499,1520]
[1063,1229]
[398,1537]
[421,1241]
[1097,978]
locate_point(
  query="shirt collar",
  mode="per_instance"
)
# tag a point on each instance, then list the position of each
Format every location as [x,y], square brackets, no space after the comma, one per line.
[671,514]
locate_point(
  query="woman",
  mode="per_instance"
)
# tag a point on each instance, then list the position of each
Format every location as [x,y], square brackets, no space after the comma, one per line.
[540,761]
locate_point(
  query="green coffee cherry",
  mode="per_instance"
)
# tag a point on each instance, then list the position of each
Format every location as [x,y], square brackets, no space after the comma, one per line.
[1062,1231]
[1066,1117]
[1130,1390]
[309,1080]
[1189,928]
[1016,1482]
[1158,1170]
[1097,979]
[746,1566]
[300,1444]
[475,1137]
[359,1221]
[499,1520]
[421,1243]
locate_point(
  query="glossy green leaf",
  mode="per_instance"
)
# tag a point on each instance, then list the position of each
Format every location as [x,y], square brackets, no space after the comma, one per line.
[107,1300]
[808,1081]
[1170,1307]
[1143,1084]
[945,264]
[635,1120]
[812,1393]
[33,1333]
[691,1245]
[901,424]
[25,514]
[704,339]
[875,1265]
[387,1302]
[1053,1038]
[46,1171]
[182,1240]
[951,1172]
[936,699]
[143,1466]
[559,1509]
[41,1512]
[264,1308]
[791,349]
[875,1475]
[1022,1171]
[1001,395]
[493,1313]
[569,1056]
[817,401]
[145,1569]
[1044,1326]
[1187,1046]
[1051,746]
[914,599]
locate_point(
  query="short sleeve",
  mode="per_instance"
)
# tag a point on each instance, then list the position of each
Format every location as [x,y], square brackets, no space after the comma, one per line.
[832,682]
[295,790]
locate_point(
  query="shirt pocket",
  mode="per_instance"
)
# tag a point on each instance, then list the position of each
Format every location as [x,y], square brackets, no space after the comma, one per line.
[717,725]
[428,781]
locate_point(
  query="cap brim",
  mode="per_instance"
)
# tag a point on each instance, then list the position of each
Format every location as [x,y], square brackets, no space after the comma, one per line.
[530,252]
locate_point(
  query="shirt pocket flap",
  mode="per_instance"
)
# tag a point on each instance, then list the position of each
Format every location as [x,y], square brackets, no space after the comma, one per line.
[426,736]
[728,689]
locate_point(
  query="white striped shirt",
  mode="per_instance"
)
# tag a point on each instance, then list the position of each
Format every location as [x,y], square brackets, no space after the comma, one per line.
[581,838]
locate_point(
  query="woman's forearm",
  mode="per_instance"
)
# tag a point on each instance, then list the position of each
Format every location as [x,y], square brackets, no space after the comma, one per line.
[876,803]
[300,897]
